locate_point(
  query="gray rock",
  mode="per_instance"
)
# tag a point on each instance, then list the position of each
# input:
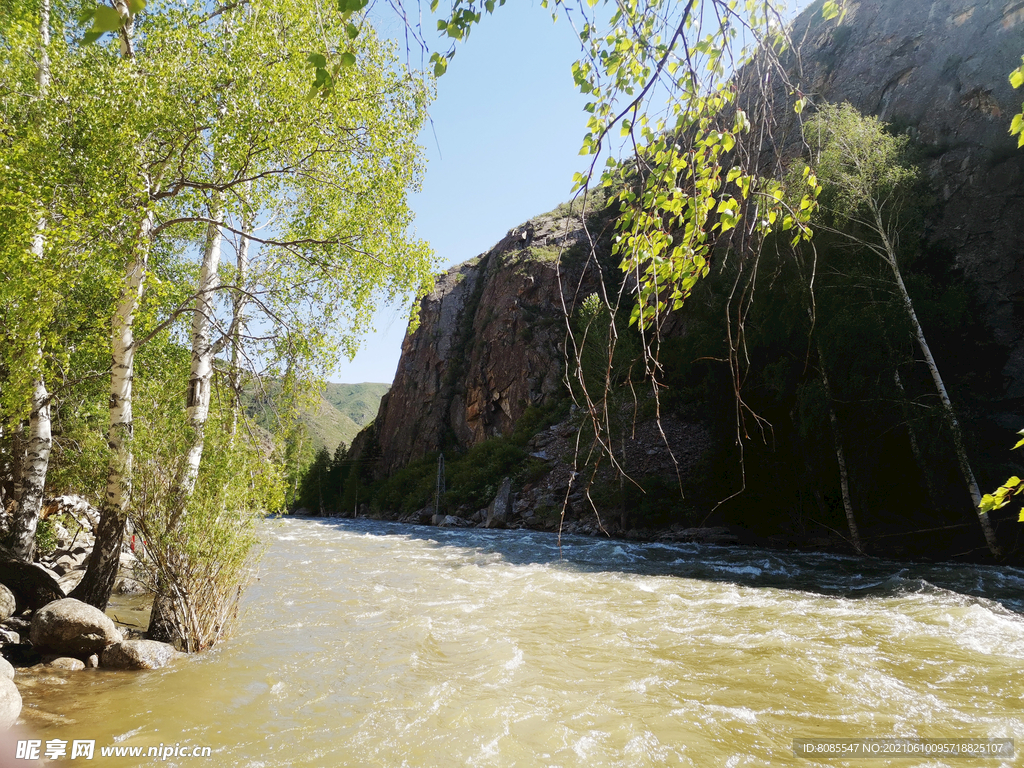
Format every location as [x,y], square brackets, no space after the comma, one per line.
[77,507]
[139,654]
[71,579]
[499,509]
[32,586]
[8,604]
[6,670]
[18,624]
[129,587]
[10,703]
[719,535]
[73,628]
[9,636]
[68,563]
[66,662]
[450,521]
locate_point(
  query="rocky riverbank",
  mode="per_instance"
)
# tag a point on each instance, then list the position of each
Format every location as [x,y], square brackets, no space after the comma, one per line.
[46,637]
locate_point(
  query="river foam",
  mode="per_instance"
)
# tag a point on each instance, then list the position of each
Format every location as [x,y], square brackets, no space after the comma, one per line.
[367,643]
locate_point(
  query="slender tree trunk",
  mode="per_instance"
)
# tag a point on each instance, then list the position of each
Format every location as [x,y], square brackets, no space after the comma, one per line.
[940,387]
[37,461]
[197,408]
[197,401]
[98,582]
[915,447]
[844,478]
[238,323]
[39,442]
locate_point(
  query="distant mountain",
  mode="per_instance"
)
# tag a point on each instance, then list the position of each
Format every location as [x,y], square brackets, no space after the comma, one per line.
[341,411]
[357,402]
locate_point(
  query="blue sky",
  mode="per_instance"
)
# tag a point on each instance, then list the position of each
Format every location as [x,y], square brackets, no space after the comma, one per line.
[503,146]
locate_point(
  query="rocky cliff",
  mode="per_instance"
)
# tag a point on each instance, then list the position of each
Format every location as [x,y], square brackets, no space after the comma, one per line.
[492,334]
[490,342]
[938,70]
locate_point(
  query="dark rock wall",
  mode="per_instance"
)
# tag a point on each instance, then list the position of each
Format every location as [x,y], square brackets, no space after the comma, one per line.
[491,338]
[490,344]
[939,71]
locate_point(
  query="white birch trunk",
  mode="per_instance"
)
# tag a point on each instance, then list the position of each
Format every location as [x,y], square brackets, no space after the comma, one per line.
[844,477]
[197,408]
[238,323]
[940,387]
[98,582]
[36,464]
[197,402]
[39,441]
[915,447]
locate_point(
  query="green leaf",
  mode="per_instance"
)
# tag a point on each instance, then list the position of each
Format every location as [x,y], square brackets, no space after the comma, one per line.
[352,31]
[348,59]
[106,19]
[830,10]
[318,60]
[1017,77]
[136,6]
[91,37]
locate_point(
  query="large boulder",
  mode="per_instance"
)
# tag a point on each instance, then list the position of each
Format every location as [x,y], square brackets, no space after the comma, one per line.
[500,509]
[139,654]
[8,603]
[32,586]
[10,703]
[6,670]
[65,662]
[72,628]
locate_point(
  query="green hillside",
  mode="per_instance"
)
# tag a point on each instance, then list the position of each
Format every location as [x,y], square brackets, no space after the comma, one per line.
[358,402]
[337,417]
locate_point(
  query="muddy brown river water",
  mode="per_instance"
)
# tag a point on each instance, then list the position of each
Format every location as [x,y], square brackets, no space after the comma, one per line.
[377,644]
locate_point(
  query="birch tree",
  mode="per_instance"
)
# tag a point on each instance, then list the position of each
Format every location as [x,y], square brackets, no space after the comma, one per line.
[219,134]
[54,180]
[862,166]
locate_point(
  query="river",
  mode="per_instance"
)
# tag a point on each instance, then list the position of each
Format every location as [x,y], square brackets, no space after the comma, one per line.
[366,643]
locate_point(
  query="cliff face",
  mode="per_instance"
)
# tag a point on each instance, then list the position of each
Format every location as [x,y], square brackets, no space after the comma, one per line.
[491,338]
[489,344]
[938,70]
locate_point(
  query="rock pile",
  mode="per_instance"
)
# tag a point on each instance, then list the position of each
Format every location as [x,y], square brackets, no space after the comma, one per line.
[43,629]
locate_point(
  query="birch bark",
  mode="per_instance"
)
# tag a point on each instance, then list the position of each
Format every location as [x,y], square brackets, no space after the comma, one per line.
[940,387]
[98,582]
[844,477]
[39,439]
[197,401]
[197,407]
[238,322]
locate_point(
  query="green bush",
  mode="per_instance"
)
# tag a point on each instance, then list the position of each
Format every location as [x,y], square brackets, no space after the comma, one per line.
[46,536]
